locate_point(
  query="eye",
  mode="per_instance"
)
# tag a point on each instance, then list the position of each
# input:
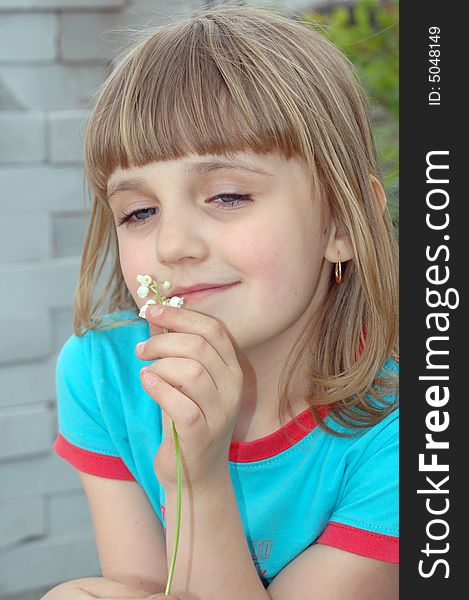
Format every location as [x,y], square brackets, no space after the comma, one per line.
[130,222]
[140,216]
[233,199]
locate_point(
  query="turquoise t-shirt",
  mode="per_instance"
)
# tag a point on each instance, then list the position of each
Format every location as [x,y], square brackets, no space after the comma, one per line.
[293,487]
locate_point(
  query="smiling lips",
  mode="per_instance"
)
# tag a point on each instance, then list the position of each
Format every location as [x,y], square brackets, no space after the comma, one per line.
[201,290]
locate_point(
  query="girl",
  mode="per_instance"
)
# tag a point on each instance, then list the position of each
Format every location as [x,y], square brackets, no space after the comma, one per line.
[232,152]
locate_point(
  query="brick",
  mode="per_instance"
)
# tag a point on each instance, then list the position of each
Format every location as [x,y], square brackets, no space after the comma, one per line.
[24,339]
[291,6]
[7,99]
[23,137]
[34,231]
[53,87]
[8,5]
[48,562]
[40,284]
[28,37]
[21,518]
[26,431]
[62,327]
[156,12]
[34,384]
[47,474]
[61,507]
[43,189]
[66,130]
[69,234]
[98,28]
[33,594]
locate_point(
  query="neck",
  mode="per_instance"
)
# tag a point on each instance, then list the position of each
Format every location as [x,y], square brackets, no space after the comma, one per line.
[262,366]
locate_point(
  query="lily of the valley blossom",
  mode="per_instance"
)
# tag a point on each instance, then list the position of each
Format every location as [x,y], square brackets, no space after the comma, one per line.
[147,283]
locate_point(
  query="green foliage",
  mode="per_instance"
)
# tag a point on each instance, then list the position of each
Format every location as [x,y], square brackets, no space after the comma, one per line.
[368,34]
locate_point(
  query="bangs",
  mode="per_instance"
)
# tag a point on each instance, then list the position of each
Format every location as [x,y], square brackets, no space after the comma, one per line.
[189,90]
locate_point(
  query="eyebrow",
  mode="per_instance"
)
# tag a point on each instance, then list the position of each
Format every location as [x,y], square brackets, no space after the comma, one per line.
[196,168]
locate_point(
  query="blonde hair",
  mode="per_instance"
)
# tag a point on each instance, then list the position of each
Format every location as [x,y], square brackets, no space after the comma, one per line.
[234,78]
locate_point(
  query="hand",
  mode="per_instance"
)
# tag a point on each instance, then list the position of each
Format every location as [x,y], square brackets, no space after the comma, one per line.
[102,588]
[199,386]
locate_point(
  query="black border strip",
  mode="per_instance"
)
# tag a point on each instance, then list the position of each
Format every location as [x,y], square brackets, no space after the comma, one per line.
[433,229]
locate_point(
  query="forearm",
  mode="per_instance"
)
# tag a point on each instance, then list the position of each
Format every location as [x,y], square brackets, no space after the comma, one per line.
[213,559]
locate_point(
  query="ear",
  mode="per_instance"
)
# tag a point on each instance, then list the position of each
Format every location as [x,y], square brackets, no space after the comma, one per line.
[337,246]
[379,193]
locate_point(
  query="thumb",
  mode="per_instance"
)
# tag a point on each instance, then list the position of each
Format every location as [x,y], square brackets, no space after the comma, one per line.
[154,329]
[167,426]
[161,597]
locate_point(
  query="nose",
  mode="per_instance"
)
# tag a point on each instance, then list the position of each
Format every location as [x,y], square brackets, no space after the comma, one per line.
[180,235]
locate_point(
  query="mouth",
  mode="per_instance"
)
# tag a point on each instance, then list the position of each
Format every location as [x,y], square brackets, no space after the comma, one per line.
[199,294]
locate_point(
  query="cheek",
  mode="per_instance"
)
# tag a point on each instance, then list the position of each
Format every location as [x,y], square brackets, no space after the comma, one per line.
[131,267]
[282,261]
[256,252]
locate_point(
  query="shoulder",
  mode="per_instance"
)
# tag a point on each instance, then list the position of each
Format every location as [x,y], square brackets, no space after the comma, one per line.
[115,335]
[390,372]
[382,437]
[384,403]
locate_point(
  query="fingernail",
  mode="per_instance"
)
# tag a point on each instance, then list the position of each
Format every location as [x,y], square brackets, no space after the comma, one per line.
[149,379]
[155,310]
[140,347]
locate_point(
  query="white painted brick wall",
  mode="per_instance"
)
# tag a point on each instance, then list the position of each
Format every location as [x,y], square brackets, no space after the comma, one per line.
[32,5]
[48,561]
[21,519]
[30,36]
[41,188]
[26,384]
[52,86]
[23,137]
[65,132]
[68,233]
[25,431]
[61,506]
[25,237]
[54,54]
[42,284]
[42,474]
[29,339]
[97,25]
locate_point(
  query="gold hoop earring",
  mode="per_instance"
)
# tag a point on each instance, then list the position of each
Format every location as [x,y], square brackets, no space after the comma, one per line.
[338,270]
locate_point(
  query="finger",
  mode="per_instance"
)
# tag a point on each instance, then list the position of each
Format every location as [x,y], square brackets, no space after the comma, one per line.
[185,413]
[185,345]
[189,321]
[154,329]
[190,378]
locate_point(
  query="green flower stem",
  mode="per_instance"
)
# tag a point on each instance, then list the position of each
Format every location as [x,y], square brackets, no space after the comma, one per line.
[153,286]
[179,491]
[178,513]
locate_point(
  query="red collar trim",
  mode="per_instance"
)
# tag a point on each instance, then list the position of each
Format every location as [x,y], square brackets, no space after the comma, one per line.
[278,441]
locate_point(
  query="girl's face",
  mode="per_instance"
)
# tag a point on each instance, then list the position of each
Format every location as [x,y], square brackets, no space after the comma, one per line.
[201,220]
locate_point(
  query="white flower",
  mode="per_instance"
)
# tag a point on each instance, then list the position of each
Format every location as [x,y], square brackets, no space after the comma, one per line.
[145,279]
[166,284]
[142,291]
[176,301]
[144,308]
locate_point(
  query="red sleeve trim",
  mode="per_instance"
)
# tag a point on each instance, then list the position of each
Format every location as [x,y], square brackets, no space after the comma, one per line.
[112,467]
[360,541]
